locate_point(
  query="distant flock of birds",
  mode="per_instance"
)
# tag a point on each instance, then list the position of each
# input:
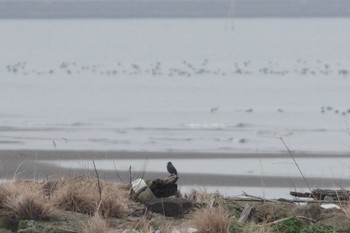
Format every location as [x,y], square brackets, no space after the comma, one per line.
[330,109]
[185,68]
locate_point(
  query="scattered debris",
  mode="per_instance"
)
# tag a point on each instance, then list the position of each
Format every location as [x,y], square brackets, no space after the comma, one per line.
[324,194]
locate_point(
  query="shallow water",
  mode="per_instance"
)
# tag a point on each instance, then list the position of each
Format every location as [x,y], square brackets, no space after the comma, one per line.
[326,167]
[262,192]
[263,177]
[214,85]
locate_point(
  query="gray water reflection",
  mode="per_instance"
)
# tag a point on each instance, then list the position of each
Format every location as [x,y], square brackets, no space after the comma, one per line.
[281,167]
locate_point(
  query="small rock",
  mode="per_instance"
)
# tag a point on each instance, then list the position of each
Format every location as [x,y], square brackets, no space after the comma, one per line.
[328,198]
[330,206]
[191,230]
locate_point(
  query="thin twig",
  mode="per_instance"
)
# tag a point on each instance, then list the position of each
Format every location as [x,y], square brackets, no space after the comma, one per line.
[130,175]
[297,165]
[19,165]
[258,198]
[340,204]
[287,218]
[116,171]
[35,165]
[252,199]
[262,178]
[143,170]
[98,181]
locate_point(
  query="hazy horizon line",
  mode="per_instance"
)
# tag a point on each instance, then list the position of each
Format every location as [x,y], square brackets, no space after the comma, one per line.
[54,9]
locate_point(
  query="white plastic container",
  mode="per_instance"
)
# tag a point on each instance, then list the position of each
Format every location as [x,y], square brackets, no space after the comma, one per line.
[142,191]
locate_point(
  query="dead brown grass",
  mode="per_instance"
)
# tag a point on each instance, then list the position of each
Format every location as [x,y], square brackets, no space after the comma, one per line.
[114,203]
[211,220]
[22,200]
[83,195]
[144,225]
[346,209]
[28,206]
[76,196]
[96,225]
[4,193]
[32,200]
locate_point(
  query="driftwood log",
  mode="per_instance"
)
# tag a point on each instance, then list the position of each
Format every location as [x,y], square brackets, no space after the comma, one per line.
[163,188]
[324,194]
[174,207]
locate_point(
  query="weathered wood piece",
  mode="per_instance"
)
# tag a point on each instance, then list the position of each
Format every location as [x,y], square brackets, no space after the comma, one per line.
[245,213]
[324,194]
[174,207]
[163,188]
[300,194]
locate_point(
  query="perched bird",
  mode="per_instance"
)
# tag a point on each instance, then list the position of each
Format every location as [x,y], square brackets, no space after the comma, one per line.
[171,169]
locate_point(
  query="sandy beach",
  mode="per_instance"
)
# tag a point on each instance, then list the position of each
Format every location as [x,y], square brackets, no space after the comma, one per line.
[28,164]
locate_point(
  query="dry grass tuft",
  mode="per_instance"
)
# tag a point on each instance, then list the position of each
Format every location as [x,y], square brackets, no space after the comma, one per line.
[17,187]
[28,206]
[114,201]
[211,220]
[22,200]
[33,200]
[83,195]
[49,186]
[204,197]
[113,206]
[4,193]
[144,225]
[346,209]
[76,195]
[96,225]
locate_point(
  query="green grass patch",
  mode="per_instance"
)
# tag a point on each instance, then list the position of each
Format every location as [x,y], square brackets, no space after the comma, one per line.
[295,225]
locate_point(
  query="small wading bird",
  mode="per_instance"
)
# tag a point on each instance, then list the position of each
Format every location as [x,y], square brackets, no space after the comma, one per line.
[171,169]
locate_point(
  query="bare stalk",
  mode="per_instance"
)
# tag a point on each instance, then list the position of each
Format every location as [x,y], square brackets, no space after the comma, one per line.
[116,171]
[130,176]
[143,170]
[16,171]
[297,165]
[98,181]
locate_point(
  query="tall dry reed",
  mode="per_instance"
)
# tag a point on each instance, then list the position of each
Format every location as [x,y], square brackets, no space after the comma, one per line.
[211,220]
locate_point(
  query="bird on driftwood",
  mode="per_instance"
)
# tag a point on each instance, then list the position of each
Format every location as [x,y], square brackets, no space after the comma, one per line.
[171,169]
